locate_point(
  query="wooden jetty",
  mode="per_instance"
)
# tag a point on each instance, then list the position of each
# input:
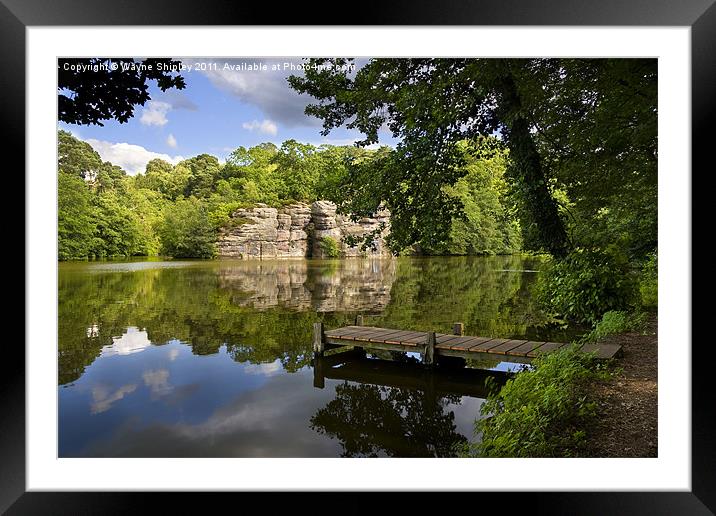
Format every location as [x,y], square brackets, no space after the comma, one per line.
[431,344]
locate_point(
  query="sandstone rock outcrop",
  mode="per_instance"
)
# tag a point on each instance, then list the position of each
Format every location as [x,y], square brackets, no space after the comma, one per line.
[299,231]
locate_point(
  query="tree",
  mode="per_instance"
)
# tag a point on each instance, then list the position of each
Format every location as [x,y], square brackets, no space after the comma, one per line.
[76,157]
[157,176]
[252,172]
[489,224]
[118,230]
[333,162]
[430,105]
[595,123]
[96,89]
[297,170]
[186,232]
[101,210]
[75,218]
[109,177]
[204,171]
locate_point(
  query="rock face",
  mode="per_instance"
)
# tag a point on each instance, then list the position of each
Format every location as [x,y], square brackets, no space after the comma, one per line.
[299,231]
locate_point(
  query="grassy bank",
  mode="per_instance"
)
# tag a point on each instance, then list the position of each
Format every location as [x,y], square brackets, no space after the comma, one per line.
[571,405]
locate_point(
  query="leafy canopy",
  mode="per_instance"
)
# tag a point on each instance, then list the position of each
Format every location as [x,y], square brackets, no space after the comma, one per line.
[96,89]
[430,105]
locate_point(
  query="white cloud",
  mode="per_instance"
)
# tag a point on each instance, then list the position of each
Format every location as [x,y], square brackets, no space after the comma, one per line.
[155,113]
[265,126]
[171,141]
[132,158]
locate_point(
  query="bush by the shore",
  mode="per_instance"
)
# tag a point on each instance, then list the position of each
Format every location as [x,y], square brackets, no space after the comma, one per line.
[541,412]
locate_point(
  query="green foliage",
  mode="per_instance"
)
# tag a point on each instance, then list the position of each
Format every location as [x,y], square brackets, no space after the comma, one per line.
[430,105]
[159,177]
[186,232]
[586,284]
[649,282]
[542,412]
[147,208]
[250,172]
[96,89]
[596,122]
[330,247]
[297,169]
[488,224]
[118,230]
[125,211]
[75,218]
[101,212]
[614,322]
[76,157]
[295,172]
[203,172]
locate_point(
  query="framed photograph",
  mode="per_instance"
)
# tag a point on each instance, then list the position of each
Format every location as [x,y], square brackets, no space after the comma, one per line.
[311,257]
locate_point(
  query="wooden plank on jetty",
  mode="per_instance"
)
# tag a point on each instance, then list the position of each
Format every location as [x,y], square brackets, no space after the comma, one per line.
[431,344]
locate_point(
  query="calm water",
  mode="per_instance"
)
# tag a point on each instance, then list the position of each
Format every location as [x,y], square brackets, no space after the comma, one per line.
[213,358]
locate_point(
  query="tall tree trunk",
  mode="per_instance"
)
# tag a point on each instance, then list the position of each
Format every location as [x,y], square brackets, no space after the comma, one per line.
[539,207]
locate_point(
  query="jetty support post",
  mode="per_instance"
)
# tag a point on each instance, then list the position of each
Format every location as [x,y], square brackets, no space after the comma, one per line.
[319,375]
[429,354]
[458,329]
[319,339]
[359,322]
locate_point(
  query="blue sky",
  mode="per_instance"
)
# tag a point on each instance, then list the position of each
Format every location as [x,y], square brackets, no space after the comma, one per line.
[222,107]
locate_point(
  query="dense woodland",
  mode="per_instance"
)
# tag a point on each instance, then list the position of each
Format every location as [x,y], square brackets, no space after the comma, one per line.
[176,210]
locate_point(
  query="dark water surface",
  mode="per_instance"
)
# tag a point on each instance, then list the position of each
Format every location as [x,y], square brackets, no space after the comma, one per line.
[213,358]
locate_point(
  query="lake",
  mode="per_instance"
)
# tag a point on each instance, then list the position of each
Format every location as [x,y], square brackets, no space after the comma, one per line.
[214,358]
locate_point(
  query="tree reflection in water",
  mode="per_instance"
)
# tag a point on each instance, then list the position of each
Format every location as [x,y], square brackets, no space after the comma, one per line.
[372,420]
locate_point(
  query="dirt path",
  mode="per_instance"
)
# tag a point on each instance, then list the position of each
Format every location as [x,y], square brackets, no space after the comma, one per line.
[627,404]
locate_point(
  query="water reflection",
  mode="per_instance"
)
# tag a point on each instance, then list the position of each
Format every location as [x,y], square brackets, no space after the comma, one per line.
[320,286]
[394,408]
[102,398]
[132,341]
[214,358]
[370,421]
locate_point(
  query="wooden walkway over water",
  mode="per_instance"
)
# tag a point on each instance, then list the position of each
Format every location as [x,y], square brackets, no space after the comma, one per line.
[432,344]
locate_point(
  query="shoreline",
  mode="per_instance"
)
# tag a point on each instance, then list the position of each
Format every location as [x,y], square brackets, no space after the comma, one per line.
[626,424]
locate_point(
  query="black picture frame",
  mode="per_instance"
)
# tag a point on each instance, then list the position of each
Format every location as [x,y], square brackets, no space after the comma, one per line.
[699,15]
